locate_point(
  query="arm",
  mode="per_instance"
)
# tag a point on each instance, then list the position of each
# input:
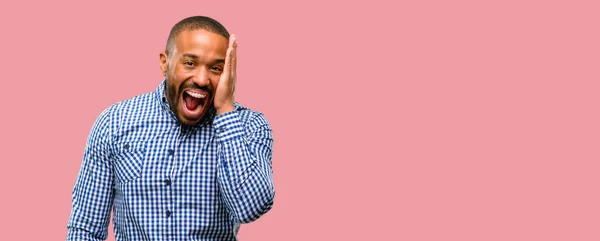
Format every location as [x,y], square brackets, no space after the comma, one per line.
[244,172]
[93,191]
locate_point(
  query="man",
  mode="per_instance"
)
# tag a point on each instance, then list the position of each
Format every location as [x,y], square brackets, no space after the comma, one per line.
[184,162]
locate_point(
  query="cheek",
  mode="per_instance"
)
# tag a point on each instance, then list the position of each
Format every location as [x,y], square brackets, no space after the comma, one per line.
[213,84]
[182,74]
[214,80]
[172,93]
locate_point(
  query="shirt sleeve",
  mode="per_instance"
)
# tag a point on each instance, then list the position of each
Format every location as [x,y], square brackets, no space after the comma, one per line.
[93,192]
[244,173]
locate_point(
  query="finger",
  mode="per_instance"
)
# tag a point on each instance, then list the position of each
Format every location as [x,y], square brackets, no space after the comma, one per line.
[234,60]
[227,66]
[228,61]
[232,56]
[228,57]
[232,39]
[232,64]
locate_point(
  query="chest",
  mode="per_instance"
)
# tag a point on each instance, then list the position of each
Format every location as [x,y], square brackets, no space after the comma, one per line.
[152,155]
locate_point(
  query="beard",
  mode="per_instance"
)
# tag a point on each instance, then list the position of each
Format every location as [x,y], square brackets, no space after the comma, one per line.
[174,96]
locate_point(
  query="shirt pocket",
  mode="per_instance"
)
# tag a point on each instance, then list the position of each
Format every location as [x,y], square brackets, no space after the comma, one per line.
[129,161]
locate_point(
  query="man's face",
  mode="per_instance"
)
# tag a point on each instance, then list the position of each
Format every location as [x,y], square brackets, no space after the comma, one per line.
[192,72]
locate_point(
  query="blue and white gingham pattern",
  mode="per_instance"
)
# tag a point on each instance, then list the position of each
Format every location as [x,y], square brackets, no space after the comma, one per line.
[166,181]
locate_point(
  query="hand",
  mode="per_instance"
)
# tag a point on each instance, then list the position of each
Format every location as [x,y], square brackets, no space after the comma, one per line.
[224,100]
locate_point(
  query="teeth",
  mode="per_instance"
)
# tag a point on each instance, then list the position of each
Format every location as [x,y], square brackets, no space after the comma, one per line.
[195,95]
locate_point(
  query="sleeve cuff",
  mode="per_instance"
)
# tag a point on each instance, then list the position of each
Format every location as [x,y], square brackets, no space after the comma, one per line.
[228,126]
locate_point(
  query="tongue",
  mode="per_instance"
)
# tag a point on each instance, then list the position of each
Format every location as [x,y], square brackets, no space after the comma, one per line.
[191,103]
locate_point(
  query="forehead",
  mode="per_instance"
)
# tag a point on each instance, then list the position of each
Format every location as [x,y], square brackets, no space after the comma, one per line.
[201,42]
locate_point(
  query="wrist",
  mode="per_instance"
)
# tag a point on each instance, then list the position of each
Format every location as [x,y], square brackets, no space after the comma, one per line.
[225,108]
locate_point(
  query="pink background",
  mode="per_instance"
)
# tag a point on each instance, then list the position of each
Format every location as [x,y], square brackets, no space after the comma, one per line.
[436,120]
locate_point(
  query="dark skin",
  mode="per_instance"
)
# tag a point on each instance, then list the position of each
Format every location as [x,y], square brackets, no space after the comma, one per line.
[203,63]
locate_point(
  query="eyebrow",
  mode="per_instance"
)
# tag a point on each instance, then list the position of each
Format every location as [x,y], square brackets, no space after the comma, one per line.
[193,56]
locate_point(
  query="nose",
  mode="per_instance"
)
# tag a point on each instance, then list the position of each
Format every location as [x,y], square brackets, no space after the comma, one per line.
[201,77]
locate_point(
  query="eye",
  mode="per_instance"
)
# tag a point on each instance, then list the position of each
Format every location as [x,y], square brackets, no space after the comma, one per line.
[189,63]
[218,69]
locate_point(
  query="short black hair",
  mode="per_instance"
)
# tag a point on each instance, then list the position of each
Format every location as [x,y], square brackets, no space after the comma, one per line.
[194,23]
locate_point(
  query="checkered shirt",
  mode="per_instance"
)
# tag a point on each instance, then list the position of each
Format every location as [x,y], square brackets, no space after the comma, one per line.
[165,181]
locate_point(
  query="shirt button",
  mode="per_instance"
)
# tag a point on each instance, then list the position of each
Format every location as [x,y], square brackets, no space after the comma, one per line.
[168,213]
[171,151]
[126,146]
[221,129]
[168,181]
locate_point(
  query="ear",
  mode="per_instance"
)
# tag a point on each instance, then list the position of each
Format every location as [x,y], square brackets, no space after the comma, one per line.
[163,63]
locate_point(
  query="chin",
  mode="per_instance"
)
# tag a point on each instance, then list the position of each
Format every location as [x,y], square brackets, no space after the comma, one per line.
[187,122]
[192,122]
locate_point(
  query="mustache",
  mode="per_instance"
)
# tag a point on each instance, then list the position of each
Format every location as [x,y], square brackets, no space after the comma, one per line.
[193,85]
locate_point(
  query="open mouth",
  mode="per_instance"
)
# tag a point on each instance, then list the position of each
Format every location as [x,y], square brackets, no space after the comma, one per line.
[193,103]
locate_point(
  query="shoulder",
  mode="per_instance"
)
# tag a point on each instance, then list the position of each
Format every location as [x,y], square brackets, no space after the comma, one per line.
[251,118]
[127,111]
[135,105]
